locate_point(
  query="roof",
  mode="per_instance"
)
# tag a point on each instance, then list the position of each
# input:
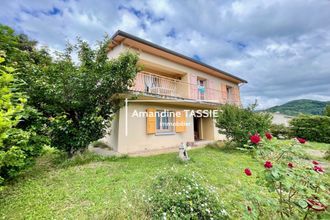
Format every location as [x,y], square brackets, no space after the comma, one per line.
[148,43]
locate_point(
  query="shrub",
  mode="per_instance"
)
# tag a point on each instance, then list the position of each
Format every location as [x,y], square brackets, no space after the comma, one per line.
[176,195]
[239,124]
[16,146]
[327,155]
[300,187]
[311,127]
[280,131]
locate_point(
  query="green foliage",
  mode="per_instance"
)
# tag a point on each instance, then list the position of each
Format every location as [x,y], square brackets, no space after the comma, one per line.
[69,102]
[16,150]
[327,155]
[176,195]
[327,111]
[297,107]
[312,128]
[280,131]
[300,190]
[78,97]
[237,123]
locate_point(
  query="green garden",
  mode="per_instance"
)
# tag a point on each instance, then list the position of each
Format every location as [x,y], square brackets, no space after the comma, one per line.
[52,107]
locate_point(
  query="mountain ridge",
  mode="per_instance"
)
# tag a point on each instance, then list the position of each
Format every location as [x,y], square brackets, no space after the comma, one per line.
[300,106]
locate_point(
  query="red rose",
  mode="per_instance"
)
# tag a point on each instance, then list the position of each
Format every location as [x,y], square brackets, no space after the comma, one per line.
[248,172]
[318,169]
[269,136]
[255,138]
[315,162]
[268,164]
[290,165]
[301,140]
[316,205]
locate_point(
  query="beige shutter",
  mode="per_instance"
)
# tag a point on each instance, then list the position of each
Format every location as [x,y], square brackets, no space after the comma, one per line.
[180,122]
[151,121]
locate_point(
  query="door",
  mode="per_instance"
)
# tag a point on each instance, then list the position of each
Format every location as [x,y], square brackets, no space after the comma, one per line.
[201,89]
[197,131]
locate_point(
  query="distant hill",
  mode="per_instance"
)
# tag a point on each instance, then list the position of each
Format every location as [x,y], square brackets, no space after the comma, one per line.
[304,106]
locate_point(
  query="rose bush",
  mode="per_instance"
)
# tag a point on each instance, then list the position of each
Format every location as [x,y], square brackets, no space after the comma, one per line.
[299,188]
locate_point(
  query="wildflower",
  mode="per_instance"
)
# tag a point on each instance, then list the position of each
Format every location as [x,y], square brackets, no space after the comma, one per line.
[248,172]
[255,139]
[315,162]
[249,209]
[268,164]
[290,165]
[316,205]
[301,140]
[269,136]
[318,169]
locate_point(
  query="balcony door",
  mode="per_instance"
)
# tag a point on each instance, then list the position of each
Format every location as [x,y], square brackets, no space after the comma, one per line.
[201,85]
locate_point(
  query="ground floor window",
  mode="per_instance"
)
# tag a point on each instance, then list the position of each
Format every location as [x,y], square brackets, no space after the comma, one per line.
[164,121]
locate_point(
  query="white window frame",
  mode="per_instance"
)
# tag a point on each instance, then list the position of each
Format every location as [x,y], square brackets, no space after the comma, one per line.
[161,129]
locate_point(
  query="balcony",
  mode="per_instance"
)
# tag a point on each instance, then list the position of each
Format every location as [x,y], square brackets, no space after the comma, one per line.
[151,83]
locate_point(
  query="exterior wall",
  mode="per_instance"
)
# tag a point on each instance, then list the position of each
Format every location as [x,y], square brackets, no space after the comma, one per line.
[217,82]
[207,129]
[116,52]
[137,138]
[217,136]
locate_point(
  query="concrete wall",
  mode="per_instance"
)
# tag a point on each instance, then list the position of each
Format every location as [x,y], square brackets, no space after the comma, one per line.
[137,138]
[172,65]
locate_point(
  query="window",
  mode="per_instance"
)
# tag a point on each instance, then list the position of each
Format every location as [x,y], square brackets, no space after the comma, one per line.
[229,93]
[164,121]
[201,88]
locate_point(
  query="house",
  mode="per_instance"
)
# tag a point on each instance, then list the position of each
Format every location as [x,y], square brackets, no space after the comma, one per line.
[185,89]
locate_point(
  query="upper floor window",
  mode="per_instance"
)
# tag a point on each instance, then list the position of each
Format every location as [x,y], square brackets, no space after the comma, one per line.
[229,93]
[201,84]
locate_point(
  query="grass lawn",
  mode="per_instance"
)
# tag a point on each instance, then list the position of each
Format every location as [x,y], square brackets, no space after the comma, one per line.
[107,188]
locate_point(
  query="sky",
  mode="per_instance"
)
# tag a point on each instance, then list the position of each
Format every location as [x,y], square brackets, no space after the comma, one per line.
[281,47]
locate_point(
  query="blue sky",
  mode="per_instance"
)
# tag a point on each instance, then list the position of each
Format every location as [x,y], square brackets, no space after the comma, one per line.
[281,47]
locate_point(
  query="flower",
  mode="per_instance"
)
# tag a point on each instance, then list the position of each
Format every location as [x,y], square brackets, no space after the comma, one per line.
[318,169]
[255,138]
[249,209]
[301,140]
[269,136]
[248,172]
[316,205]
[315,162]
[290,165]
[268,164]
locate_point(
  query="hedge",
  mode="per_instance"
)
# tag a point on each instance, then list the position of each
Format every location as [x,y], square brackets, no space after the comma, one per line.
[312,128]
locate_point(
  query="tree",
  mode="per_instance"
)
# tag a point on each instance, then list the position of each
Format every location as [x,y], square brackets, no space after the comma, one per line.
[68,102]
[238,123]
[327,111]
[76,97]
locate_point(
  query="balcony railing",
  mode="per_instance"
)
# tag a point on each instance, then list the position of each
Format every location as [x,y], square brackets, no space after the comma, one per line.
[160,85]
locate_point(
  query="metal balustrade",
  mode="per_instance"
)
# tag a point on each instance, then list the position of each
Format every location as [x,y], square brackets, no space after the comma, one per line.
[165,86]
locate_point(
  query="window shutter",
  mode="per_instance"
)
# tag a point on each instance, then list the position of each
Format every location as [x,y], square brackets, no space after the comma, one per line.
[193,86]
[211,93]
[237,96]
[180,121]
[151,121]
[224,92]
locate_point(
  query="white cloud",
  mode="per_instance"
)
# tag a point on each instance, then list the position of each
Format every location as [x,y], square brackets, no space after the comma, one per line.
[281,47]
